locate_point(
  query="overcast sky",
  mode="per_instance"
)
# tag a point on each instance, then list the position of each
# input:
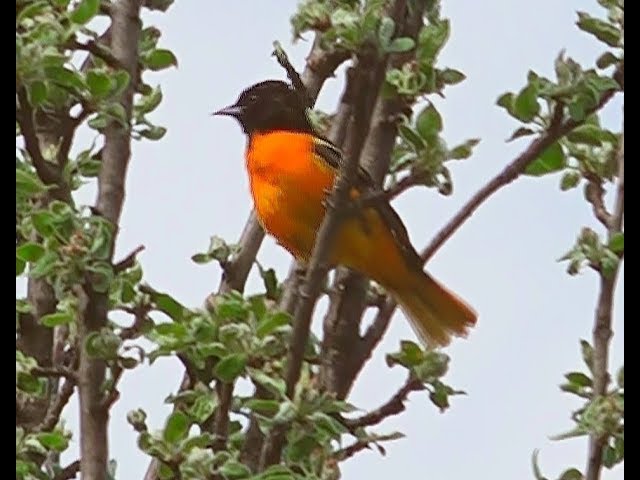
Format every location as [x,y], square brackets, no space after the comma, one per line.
[192,185]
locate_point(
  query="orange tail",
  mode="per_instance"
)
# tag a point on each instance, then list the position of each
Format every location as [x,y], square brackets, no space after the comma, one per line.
[434,312]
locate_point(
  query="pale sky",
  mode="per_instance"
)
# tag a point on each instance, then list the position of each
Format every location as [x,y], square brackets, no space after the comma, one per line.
[192,185]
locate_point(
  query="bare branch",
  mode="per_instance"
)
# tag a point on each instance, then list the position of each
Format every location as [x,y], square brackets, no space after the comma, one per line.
[99,51]
[68,472]
[317,266]
[221,420]
[55,372]
[595,196]
[56,406]
[45,170]
[128,261]
[393,406]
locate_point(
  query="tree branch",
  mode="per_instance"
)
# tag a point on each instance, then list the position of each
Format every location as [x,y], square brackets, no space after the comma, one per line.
[224,392]
[393,406]
[68,472]
[25,118]
[602,331]
[56,406]
[93,305]
[317,266]
[513,170]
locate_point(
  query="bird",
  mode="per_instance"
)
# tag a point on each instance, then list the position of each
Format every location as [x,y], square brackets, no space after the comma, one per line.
[292,169]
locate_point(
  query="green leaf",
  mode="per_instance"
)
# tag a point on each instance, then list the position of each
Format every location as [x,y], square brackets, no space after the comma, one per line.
[150,102]
[160,59]
[264,407]
[99,83]
[30,11]
[526,106]
[451,76]
[30,252]
[620,377]
[155,132]
[591,135]
[20,266]
[401,45]
[274,385]
[429,122]
[120,81]
[431,39]
[606,60]
[203,407]
[65,77]
[579,379]
[159,5]
[385,31]
[536,468]
[603,31]
[45,265]
[28,183]
[177,427]
[520,132]
[55,319]
[85,11]
[230,367]
[587,354]
[272,322]
[168,305]
[55,441]
[270,281]
[616,244]
[464,150]
[101,276]
[411,137]
[571,474]
[550,161]
[37,93]
[234,469]
[570,180]
[506,101]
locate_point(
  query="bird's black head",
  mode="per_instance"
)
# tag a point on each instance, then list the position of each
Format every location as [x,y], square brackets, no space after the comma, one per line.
[267,106]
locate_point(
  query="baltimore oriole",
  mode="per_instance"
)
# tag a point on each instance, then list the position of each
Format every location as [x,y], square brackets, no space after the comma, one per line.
[291,170]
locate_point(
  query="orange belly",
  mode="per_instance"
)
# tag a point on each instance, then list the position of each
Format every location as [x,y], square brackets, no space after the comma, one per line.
[289,185]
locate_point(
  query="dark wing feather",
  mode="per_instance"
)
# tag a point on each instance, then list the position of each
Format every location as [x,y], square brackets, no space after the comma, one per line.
[364,183]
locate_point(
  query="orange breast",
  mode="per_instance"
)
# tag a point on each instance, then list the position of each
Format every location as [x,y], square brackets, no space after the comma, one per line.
[288,185]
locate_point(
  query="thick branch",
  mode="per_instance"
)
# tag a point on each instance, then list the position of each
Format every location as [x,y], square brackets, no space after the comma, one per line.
[602,331]
[224,392]
[94,414]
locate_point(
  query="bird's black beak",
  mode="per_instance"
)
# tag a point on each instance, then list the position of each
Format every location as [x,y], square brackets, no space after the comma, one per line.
[230,111]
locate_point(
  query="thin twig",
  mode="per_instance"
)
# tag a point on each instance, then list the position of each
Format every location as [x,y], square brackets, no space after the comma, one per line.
[45,170]
[128,261]
[349,451]
[97,50]
[68,472]
[55,372]
[595,196]
[56,406]
[393,406]
[513,170]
